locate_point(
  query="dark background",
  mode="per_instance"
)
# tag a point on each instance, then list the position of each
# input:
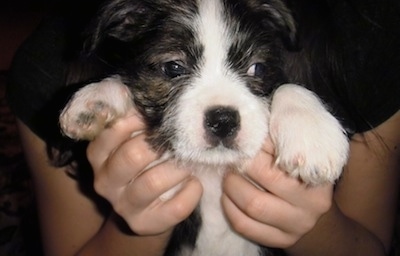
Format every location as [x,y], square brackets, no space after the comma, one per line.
[19,233]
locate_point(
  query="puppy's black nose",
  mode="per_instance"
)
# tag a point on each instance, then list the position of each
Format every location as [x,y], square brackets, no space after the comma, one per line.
[222,122]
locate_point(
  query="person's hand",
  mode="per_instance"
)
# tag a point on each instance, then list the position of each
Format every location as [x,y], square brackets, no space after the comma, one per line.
[119,162]
[278,214]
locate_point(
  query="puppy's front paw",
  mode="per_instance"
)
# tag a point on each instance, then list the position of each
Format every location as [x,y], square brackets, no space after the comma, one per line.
[94,107]
[310,142]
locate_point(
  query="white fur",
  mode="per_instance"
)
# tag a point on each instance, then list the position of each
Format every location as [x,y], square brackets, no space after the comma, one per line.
[217,85]
[310,143]
[216,237]
[106,101]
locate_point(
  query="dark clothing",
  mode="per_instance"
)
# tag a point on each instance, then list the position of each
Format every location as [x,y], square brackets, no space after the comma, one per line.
[38,72]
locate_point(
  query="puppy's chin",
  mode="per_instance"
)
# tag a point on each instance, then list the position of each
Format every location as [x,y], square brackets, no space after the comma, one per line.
[216,156]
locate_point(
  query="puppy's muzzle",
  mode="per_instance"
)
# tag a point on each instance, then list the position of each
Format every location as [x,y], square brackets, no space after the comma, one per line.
[221,124]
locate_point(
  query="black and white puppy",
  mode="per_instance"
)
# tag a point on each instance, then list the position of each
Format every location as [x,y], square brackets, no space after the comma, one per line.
[207,76]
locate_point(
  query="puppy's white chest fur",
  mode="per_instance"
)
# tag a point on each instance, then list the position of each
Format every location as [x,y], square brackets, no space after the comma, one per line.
[216,236]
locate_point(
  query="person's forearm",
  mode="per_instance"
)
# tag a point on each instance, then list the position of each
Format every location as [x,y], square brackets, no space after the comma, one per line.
[114,238]
[335,234]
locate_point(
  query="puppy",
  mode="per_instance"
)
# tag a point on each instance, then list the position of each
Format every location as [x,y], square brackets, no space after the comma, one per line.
[208,78]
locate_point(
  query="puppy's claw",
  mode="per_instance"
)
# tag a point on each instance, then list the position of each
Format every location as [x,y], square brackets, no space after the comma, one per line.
[310,174]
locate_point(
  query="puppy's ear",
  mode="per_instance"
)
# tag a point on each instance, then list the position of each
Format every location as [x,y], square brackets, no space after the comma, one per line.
[278,16]
[119,20]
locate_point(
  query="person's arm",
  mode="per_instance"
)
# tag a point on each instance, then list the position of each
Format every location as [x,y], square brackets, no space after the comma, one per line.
[67,219]
[369,189]
[112,240]
[70,222]
[305,221]
[361,221]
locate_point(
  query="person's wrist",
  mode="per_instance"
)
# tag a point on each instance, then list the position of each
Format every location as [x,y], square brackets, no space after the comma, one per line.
[301,247]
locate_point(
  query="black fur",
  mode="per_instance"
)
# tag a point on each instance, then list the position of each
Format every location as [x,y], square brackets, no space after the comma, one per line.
[132,38]
[311,46]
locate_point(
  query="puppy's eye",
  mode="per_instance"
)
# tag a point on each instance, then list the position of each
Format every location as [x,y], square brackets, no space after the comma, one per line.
[257,69]
[173,69]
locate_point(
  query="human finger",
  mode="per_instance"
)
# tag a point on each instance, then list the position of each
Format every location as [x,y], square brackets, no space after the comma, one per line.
[254,213]
[160,215]
[270,177]
[151,184]
[267,235]
[259,205]
[100,148]
[127,162]
[182,204]
[268,146]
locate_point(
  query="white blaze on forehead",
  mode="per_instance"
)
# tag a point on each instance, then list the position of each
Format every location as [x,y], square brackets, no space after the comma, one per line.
[213,34]
[217,83]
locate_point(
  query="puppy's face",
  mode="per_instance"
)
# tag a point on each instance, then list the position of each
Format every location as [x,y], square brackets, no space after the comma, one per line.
[200,71]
